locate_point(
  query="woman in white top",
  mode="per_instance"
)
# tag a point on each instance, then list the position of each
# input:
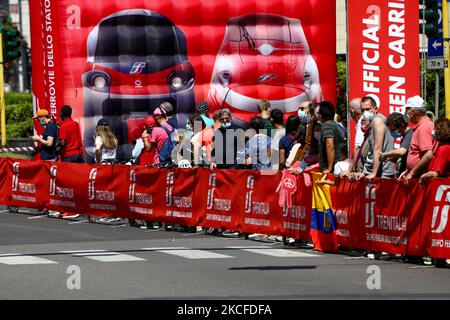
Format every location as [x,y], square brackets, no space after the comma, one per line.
[105,143]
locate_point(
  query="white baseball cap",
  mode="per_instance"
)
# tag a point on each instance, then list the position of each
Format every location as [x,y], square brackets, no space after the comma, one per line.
[415,102]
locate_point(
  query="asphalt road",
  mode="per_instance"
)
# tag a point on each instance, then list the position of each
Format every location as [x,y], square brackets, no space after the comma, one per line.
[46,258]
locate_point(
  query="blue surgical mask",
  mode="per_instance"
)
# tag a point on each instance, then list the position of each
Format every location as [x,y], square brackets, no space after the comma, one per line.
[42,123]
[226,125]
[396,134]
[302,114]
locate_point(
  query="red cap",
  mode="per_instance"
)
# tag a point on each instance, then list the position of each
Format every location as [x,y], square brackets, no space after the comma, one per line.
[150,121]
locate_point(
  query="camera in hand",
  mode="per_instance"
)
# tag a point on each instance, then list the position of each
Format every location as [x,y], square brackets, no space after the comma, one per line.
[150,130]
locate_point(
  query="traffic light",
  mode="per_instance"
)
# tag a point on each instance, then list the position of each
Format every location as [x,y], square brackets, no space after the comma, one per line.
[430,15]
[11,44]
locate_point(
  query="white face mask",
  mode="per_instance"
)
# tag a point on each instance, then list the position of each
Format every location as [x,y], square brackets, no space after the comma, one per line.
[368,115]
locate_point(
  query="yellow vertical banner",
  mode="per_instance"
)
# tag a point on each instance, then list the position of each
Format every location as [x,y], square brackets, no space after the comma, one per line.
[446,56]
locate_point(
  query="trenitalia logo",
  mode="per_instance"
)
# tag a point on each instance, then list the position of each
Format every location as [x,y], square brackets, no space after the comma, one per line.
[132,189]
[169,189]
[212,185]
[248,195]
[442,195]
[53,172]
[15,177]
[91,186]
[138,67]
[370,199]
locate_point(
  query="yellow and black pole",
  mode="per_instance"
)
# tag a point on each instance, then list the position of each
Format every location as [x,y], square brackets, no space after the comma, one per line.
[2,93]
[446,56]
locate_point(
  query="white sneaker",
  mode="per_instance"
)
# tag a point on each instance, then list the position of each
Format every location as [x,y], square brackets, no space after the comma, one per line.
[53,214]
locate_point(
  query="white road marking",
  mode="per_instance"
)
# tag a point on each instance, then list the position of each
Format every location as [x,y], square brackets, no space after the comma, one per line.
[281,253]
[195,254]
[104,256]
[20,259]
[37,217]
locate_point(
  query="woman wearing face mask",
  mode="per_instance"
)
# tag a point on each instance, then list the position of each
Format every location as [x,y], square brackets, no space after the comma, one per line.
[398,127]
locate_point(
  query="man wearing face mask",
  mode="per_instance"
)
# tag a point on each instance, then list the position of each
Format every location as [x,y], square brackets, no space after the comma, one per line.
[49,136]
[421,150]
[305,112]
[228,147]
[379,141]
[398,126]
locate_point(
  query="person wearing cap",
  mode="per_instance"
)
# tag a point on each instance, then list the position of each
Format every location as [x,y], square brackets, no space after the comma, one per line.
[49,136]
[160,133]
[202,109]
[398,126]
[140,152]
[421,149]
[167,109]
[70,137]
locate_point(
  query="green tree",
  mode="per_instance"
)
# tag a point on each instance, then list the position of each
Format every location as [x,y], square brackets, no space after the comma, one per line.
[19,114]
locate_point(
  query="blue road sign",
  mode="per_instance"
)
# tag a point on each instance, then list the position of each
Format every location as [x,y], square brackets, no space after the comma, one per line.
[435,45]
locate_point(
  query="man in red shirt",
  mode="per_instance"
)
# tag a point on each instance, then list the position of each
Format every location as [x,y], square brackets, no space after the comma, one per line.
[421,149]
[70,137]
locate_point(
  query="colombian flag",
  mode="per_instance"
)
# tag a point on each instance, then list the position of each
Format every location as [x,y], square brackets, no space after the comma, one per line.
[323,222]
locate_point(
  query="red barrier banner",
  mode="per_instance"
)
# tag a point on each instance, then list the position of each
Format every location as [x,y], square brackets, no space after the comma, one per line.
[262,213]
[383,52]
[436,229]
[297,219]
[29,183]
[5,181]
[349,212]
[179,189]
[146,193]
[119,60]
[221,201]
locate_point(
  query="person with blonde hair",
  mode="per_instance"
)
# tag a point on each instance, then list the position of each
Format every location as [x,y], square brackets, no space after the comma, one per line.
[105,143]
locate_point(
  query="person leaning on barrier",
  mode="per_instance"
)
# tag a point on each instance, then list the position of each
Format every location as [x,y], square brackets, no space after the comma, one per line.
[420,152]
[356,167]
[48,139]
[204,142]
[440,164]
[228,146]
[379,141]
[398,126]
[258,148]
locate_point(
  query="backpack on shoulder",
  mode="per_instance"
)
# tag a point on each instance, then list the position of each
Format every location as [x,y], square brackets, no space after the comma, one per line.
[166,150]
